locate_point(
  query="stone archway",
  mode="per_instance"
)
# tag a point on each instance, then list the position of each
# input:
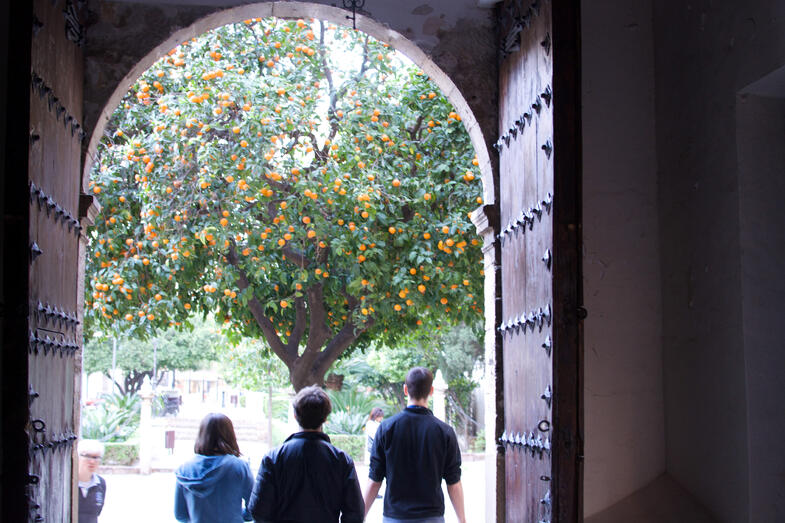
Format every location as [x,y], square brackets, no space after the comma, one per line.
[476,107]
[482,103]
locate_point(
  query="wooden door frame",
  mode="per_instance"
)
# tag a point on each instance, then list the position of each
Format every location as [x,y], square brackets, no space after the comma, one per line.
[567,204]
[14,407]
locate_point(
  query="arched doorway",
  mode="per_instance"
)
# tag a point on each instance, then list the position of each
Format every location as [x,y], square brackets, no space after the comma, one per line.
[471,124]
[546,37]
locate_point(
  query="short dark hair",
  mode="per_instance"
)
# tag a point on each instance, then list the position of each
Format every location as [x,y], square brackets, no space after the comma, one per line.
[216,436]
[311,407]
[376,413]
[419,381]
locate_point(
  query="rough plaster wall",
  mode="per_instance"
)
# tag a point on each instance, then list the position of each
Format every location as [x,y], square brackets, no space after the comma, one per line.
[705,51]
[456,34]
[624,445]
[761,150]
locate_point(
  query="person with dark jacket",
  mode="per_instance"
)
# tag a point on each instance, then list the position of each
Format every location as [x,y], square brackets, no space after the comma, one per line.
[415,451]
[92,487]
[212,486]
[307,479]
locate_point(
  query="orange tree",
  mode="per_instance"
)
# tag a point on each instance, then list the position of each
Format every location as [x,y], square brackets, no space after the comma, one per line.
[302,181]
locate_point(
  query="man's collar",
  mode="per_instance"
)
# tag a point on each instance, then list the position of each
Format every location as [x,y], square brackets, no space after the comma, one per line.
[416,409]
[309,434]
[93,481]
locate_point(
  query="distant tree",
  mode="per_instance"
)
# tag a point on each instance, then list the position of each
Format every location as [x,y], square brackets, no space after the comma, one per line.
[455,350]
[304,182]
[171,350]
[250,365]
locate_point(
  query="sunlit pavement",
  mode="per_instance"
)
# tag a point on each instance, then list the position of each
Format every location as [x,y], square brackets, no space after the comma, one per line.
[131,498]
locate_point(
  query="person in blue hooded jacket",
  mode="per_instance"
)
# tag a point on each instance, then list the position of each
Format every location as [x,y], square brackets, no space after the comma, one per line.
[212,487]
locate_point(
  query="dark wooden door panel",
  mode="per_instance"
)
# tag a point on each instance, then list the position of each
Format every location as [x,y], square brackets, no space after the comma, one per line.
[56,137]
[540,270]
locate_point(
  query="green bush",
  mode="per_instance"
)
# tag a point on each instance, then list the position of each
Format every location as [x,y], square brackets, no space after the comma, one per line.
[354,401]
[123,453]
[342,422]
[478,445]
[351,444]
[114,419]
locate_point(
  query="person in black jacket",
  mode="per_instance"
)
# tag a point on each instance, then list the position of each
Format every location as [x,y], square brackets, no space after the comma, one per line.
[307,479]
[92,487]
[415,452]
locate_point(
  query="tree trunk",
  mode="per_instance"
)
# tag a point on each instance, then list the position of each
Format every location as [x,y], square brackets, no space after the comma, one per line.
[270,414]
[302,376]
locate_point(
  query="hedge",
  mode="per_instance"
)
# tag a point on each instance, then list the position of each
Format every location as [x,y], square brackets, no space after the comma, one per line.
[121,453]
[354,445]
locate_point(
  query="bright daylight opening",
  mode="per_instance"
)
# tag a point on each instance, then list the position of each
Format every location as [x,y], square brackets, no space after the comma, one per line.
[284,203]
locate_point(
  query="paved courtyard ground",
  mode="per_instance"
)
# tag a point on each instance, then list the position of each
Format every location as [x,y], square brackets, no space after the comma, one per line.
[131,498]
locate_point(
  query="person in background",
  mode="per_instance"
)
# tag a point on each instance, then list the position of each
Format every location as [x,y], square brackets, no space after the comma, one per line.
[415,451]
[92,487]
[375,418]
[307,480]
[212,486]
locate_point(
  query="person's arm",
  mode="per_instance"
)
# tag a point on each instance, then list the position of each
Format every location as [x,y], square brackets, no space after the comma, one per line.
[102,487]
[455,492]
[263,496]
[377,470]
[371,490]
[180,506]
[352,508]
[247,489]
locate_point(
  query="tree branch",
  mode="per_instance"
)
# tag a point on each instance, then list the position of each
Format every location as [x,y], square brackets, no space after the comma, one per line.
[296,257]
[267,327]
[340,342]
[416,128]
[300,319]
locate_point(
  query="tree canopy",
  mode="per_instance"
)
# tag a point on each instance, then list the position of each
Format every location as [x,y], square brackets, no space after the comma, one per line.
[302,181]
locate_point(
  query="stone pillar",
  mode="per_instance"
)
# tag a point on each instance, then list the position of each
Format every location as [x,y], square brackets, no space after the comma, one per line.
[439,396]
[486,220]
[146,428]
[291,421]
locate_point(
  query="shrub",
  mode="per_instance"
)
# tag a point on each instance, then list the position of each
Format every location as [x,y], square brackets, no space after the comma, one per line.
[478,445]
[355,402]
[115,419]
[121,453]
[351,444]
[342,422]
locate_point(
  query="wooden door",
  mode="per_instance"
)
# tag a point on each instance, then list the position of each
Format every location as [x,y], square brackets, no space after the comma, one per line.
[539,205]
[55,239]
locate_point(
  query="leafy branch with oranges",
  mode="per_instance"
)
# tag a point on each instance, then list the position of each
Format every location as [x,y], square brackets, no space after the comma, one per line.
[313,191]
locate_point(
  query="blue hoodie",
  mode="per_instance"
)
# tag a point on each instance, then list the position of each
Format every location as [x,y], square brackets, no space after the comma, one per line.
[211,489]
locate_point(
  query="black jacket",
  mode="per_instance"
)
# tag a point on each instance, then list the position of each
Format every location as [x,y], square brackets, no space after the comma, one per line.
[307,480]
[90,506]
[415,451]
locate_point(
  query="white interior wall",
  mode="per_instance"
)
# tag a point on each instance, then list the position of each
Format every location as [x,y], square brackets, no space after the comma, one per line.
[624,432]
